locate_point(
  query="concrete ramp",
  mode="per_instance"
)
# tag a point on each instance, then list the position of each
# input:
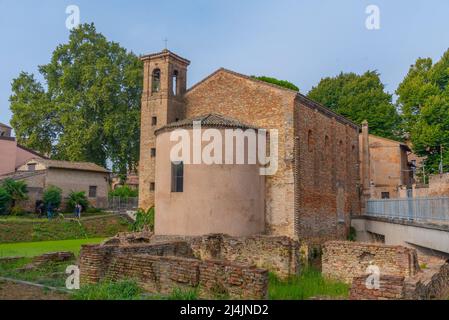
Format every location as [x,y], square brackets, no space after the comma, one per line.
[402,232]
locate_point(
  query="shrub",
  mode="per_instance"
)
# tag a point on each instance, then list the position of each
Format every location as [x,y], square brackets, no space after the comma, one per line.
[77,197]
[94,210]
[281,83]
[352,234]
[17,211]
[17,190]
[5,200]
[53,196]
[144,220]
[107,290]
[124,192]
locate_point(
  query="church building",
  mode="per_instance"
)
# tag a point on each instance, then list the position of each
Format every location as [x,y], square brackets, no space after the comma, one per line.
[311,195]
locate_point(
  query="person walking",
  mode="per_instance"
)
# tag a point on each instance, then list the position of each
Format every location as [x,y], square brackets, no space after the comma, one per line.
[49,211]
[78,209]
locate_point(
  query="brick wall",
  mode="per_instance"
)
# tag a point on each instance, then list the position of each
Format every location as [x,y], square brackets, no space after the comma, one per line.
[160,268]
[390,288]
[95,259]
[345,260]
[326,173]
[429,284]
[280,255]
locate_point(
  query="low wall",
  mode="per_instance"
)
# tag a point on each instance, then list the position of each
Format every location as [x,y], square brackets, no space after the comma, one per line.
[390,288]
[94,260]
[344,260]
[430,284]
[164,272]
[280,255]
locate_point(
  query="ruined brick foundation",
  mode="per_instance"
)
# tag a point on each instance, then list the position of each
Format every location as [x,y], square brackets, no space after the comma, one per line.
[400,274]
[216,264]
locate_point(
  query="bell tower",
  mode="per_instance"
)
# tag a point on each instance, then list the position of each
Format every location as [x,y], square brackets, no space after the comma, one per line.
[164,86]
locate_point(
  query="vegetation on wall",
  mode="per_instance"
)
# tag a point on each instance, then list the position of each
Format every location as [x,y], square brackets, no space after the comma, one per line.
[281,83]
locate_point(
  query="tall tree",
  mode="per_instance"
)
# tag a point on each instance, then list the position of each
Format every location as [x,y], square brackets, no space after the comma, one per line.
[423,97]
[89,107]
[359,98]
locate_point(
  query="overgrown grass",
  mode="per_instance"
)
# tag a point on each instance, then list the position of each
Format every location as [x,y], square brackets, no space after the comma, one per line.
[17,229]
[50,274]
[177,294]
[121,290]
[31,249]
[309,284]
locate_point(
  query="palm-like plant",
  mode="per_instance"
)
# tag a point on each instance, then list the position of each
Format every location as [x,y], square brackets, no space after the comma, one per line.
[16,189]
[5,199]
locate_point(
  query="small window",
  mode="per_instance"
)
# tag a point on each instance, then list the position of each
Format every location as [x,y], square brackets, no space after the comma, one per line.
[153,152]
[175,83]
[385,195]
[92,191]
[32,167]
[152,186]
[156,81]
[154,121]
[177,175]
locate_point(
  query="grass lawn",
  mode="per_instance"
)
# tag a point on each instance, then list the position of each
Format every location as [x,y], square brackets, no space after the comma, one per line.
[30,249]
[309,284]
[27,229]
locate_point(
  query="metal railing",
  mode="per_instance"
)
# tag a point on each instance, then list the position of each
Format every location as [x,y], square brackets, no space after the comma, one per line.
[123,204]
[434,209]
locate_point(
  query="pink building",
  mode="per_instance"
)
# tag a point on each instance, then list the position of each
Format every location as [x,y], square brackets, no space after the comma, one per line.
[13,155]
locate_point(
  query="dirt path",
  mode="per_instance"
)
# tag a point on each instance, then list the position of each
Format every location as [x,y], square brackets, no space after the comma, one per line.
[15,291]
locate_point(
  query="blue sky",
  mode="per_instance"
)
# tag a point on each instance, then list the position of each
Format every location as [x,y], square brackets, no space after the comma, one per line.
[299,41]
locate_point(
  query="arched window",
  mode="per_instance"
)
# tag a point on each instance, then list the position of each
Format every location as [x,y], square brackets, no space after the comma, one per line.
[156,81]
[310,142]
[175,83]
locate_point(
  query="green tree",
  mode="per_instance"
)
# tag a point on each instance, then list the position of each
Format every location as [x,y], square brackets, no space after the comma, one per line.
[124,192]
[423,97]
[77,198]
[53,196]
[359,98]
[281,83]
[16,189]
[89,107]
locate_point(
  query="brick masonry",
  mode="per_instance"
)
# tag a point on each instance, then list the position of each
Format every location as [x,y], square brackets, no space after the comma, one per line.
[344,260]
[280,255]
[160,268]
[216,264]
[400,274]
[314,190]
